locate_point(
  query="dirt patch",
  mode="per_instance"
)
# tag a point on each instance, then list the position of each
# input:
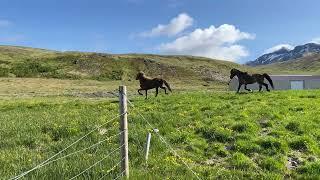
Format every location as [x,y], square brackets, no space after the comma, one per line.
[293,162]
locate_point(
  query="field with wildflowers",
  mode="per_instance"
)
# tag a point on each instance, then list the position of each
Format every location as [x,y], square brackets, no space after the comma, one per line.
[220,135]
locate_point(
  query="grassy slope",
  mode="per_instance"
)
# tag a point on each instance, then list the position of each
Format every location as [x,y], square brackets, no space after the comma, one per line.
[29,62]
[220,135]
[309,64]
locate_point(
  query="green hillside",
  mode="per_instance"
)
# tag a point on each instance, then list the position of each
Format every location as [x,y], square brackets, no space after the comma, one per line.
[30,62]
[60,96]
[309,64]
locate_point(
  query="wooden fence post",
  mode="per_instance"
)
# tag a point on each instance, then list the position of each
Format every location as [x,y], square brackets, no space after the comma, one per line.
[124,128]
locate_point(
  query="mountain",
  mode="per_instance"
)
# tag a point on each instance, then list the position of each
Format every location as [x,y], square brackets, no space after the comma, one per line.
[286,55]
[308,64]
[31,62]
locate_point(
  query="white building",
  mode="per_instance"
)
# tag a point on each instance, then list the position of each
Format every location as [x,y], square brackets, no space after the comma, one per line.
[283,82]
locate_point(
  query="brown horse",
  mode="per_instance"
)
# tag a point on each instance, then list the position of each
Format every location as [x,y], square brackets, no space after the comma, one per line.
[245,78]
[147,83]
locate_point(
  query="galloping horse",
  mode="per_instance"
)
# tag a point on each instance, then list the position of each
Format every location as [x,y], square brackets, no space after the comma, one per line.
[147,83]
[245,78]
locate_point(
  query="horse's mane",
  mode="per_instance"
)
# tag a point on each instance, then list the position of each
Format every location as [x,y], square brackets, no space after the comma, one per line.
[146,77]
[238,71]
[143,76]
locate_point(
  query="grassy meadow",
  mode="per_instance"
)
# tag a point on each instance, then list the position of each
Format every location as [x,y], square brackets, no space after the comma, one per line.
[220,135]
[49,99]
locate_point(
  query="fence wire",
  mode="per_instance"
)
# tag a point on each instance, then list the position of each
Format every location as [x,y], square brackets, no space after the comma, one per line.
[55,155]
[163,140]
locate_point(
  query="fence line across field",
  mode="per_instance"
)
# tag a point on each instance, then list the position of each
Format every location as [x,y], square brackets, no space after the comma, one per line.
[76,152]
[169,146]
[55,155]
[111,169]
[124,149]
[96,163]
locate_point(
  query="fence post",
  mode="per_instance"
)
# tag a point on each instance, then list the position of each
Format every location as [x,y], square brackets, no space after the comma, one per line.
[147,146]
[124,128]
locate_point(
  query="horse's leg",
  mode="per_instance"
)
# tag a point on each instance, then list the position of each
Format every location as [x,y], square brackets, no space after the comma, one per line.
[165,89]
[260,87]
[245,87]
[239,86]
[157,91]
[266,85]
[140,92]
[146,94]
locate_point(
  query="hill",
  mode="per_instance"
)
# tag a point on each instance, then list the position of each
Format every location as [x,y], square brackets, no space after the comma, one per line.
[31,62]
[308,64]
[220,135]
[284,54]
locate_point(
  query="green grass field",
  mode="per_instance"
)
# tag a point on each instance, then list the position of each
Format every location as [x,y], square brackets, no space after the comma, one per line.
[49,99]
[220,135]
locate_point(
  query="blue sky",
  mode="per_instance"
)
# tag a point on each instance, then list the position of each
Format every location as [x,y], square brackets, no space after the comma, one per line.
[238,30]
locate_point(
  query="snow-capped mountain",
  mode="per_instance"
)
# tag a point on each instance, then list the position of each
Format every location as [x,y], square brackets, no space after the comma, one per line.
[285,54]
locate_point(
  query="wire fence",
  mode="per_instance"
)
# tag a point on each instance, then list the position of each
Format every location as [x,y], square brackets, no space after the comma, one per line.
[163,140]
[55,158]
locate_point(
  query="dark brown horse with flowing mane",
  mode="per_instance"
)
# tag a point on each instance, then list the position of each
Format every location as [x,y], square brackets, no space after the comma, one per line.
[147,83]
[245,78]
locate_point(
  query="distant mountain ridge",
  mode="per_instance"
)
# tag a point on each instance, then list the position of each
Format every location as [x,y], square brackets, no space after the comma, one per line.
[284,54]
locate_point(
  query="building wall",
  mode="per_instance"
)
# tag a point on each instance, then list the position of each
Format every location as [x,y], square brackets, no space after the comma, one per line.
[312,84]
[279,84]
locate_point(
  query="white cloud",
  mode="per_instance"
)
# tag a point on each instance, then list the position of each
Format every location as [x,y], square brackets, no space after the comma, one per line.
[278,47]
[4,23]
[176,26]
[213,42]
[316,40]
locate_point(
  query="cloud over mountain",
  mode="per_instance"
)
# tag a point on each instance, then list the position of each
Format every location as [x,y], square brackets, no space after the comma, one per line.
[214,42]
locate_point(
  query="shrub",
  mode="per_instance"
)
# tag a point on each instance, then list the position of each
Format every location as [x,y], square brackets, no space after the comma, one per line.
[311,168]
[246,147]
[216,149]
[300,144]
[240,127]
[31,69]
[294,127]
[272,146]
[240,161]
[216,134]
[4,72]
[271,164]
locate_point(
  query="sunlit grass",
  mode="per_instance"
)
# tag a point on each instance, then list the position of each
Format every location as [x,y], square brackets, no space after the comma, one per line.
[219,134]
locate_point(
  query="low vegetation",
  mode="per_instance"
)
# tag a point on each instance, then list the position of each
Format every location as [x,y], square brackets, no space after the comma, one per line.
[49,99]
[220,135]
[39,63]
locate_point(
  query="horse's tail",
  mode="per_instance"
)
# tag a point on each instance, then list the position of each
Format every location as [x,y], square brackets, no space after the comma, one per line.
[167,84]
[269,79]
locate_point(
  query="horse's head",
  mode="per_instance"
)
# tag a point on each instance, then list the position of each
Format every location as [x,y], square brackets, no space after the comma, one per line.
[233,73]
[139,75]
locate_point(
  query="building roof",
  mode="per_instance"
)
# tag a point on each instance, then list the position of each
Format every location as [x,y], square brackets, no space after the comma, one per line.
[295,77]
